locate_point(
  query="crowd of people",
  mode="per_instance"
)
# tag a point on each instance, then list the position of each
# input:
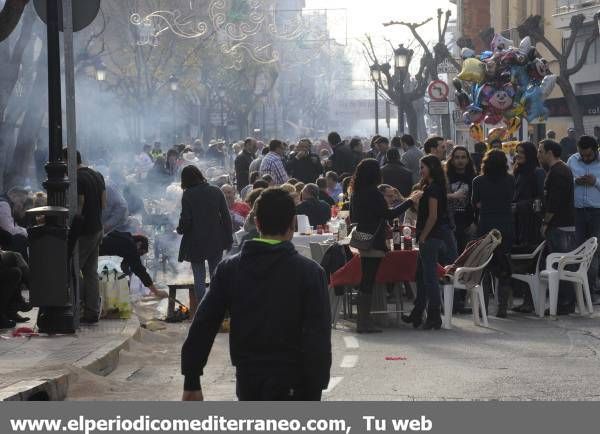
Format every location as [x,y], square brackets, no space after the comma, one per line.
[450,196]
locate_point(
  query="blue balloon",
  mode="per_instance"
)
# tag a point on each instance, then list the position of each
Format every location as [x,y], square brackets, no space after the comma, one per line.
[485,55]
[520,77]
[533,99]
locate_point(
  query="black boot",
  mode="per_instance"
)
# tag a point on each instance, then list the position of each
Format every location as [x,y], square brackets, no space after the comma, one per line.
[434,320]
[364,324]
[415,318]
[6,323]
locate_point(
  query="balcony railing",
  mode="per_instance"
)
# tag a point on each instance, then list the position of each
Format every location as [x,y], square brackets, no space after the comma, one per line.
[571,6]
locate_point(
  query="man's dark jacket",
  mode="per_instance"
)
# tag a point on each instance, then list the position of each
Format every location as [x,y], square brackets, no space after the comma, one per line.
[280,316]
[343,160]
[242,168]
[306,169]
[396,175]
[317,211]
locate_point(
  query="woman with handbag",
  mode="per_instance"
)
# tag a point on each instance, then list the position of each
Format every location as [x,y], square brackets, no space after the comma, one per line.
[369,210]
[432,221]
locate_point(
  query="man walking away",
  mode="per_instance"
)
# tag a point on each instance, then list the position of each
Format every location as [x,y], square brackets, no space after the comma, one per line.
[280,340]
[559,221]
[585,166]
[91,193]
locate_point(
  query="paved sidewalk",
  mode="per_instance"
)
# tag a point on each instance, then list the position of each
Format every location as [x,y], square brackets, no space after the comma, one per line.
[42,366]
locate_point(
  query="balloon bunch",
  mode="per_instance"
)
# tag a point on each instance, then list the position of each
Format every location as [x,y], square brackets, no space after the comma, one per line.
[506,84]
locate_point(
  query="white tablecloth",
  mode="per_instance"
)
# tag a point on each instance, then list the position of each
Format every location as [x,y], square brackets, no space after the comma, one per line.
[302,242]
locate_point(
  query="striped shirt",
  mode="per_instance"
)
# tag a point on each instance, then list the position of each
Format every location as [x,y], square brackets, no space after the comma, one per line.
[272,164]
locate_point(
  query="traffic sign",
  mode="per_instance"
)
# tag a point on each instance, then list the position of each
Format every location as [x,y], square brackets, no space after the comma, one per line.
[84,12]
[438,90]
[446,68]
[439,108]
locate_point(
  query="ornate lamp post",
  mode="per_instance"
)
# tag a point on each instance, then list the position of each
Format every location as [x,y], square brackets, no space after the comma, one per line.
[222,100]
[402,58]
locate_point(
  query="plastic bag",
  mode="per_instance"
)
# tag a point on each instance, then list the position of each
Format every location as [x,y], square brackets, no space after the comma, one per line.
[114,292]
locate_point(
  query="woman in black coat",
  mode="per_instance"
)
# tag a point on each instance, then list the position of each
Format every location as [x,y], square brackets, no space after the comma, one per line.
[493,193]
[369,210]
[205,224]
[529,187]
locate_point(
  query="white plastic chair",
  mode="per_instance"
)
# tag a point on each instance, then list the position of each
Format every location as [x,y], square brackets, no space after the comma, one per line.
[555,271]
[532,279]
[476,291]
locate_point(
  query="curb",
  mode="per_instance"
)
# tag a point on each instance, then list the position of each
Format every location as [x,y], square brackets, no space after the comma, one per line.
[102,362]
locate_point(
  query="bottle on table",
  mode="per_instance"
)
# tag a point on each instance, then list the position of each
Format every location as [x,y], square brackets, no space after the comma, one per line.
[397,235]
[407,238]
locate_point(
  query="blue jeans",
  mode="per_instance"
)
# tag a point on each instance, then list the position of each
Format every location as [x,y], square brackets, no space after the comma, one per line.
[428,287]
[558,241]
[199,270]
[587,225]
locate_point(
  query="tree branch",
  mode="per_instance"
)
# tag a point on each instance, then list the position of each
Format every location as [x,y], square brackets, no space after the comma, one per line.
[583,56]
[24,38]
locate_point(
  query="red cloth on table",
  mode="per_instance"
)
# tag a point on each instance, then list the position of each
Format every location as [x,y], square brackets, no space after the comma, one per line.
[397,266]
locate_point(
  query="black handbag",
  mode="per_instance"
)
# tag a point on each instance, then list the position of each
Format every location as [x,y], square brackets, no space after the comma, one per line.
[363,240]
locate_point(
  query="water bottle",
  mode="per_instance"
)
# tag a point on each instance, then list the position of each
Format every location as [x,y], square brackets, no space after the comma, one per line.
[342,230]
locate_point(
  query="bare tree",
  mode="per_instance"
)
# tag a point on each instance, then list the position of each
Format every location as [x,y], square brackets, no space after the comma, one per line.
[533,28]
[11,59]
[433,56]
[398,86]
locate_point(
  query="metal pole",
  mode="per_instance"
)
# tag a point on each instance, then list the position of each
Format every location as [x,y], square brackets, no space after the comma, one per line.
[70,104]
[71,133]
[264,119]
[376,108]
[222,121]
[174,119]
[56,184]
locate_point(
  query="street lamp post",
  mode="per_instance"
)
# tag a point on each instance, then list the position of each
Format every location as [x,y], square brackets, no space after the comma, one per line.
[376,76]
[402,59]
[221,98]
[174,86]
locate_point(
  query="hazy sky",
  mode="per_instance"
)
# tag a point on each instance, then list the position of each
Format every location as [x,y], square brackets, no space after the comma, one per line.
[367,16]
